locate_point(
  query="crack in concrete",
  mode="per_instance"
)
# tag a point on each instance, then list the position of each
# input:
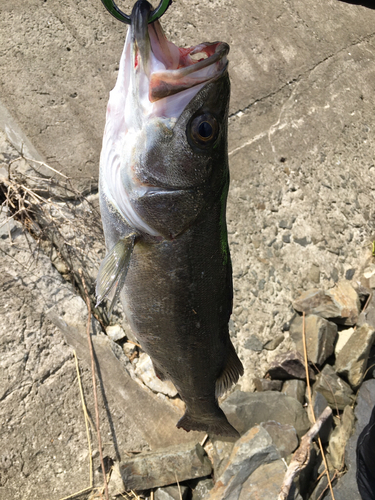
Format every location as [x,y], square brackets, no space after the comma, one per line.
[298,78]
[278,125]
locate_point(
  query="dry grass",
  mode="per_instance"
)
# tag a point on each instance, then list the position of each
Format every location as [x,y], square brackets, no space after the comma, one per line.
[58,223]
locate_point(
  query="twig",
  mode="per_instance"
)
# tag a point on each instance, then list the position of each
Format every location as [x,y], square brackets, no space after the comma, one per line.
[94,384]
[134,343]
[86,490]
[39,163]
[326,488]
[178,485]
[301,456]
[135,495]
[204,440]
[367,302]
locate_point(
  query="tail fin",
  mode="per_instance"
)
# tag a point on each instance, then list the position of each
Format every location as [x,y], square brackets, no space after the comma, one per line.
[217,425]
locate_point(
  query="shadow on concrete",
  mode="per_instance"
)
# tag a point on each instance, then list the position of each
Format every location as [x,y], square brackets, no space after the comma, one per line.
[106,405]
[365,3]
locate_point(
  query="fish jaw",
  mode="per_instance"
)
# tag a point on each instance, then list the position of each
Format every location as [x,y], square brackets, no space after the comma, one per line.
[157,80]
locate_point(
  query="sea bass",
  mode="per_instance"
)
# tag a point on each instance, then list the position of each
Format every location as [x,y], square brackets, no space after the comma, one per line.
[163,189]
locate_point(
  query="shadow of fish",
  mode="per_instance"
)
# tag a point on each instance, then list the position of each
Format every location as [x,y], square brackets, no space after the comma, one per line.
[163,188]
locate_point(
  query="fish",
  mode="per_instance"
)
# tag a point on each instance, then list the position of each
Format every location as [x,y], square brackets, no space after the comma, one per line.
[163,187]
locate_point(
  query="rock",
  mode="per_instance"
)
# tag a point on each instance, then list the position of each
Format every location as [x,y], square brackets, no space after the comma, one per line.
[319,404]
[345,295]
[246,409]
[175,492]
[314,274]
[272,344]
[164,467]
[218,452]
[349,274]
[342,338]
[116,484]
[367,315]
[253,449]
[8,226]
[115,332]
[145,371]
[341,303]
[295,389]
[283,436]
[316,301]
[202,489]
[337,392]
[289,365]
[265,384]
[340,437]
[320,337]
[369,274]
[351,362]
[129,349]
[253,343]
[310,473]
[346,488]
[265,483]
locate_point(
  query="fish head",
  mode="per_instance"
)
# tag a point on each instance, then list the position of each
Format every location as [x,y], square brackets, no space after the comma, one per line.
[166,125]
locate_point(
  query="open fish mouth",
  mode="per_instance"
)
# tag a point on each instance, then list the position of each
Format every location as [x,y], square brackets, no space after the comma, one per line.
[168,68]
[182,70]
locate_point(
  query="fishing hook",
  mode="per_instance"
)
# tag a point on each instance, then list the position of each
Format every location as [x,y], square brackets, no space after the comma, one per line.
[124,18]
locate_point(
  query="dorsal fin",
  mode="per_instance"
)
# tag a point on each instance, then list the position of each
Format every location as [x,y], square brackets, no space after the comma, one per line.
[231,373]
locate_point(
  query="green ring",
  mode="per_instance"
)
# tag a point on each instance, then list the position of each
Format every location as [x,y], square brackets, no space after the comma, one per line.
[124,18]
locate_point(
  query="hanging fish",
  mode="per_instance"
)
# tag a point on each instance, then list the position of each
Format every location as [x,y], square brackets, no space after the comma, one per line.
[163,189]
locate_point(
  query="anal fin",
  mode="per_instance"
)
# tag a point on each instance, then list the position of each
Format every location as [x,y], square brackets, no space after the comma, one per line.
[113,271]
[232,371]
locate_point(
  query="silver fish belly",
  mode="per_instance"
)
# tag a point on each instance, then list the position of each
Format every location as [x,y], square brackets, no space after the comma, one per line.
[164,181]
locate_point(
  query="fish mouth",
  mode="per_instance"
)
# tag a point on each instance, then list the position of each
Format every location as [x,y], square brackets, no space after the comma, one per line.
[169,68]
[189,71]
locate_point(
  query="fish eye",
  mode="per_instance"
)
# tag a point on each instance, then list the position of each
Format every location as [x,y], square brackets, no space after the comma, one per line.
[203,130]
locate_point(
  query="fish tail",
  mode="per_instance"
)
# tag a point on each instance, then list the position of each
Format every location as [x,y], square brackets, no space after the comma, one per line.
[218,425]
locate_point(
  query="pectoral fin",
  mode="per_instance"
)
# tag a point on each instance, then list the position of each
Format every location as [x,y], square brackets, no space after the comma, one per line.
[113,270]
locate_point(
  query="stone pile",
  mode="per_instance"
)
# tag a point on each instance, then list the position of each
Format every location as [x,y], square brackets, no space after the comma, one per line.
[339,330]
